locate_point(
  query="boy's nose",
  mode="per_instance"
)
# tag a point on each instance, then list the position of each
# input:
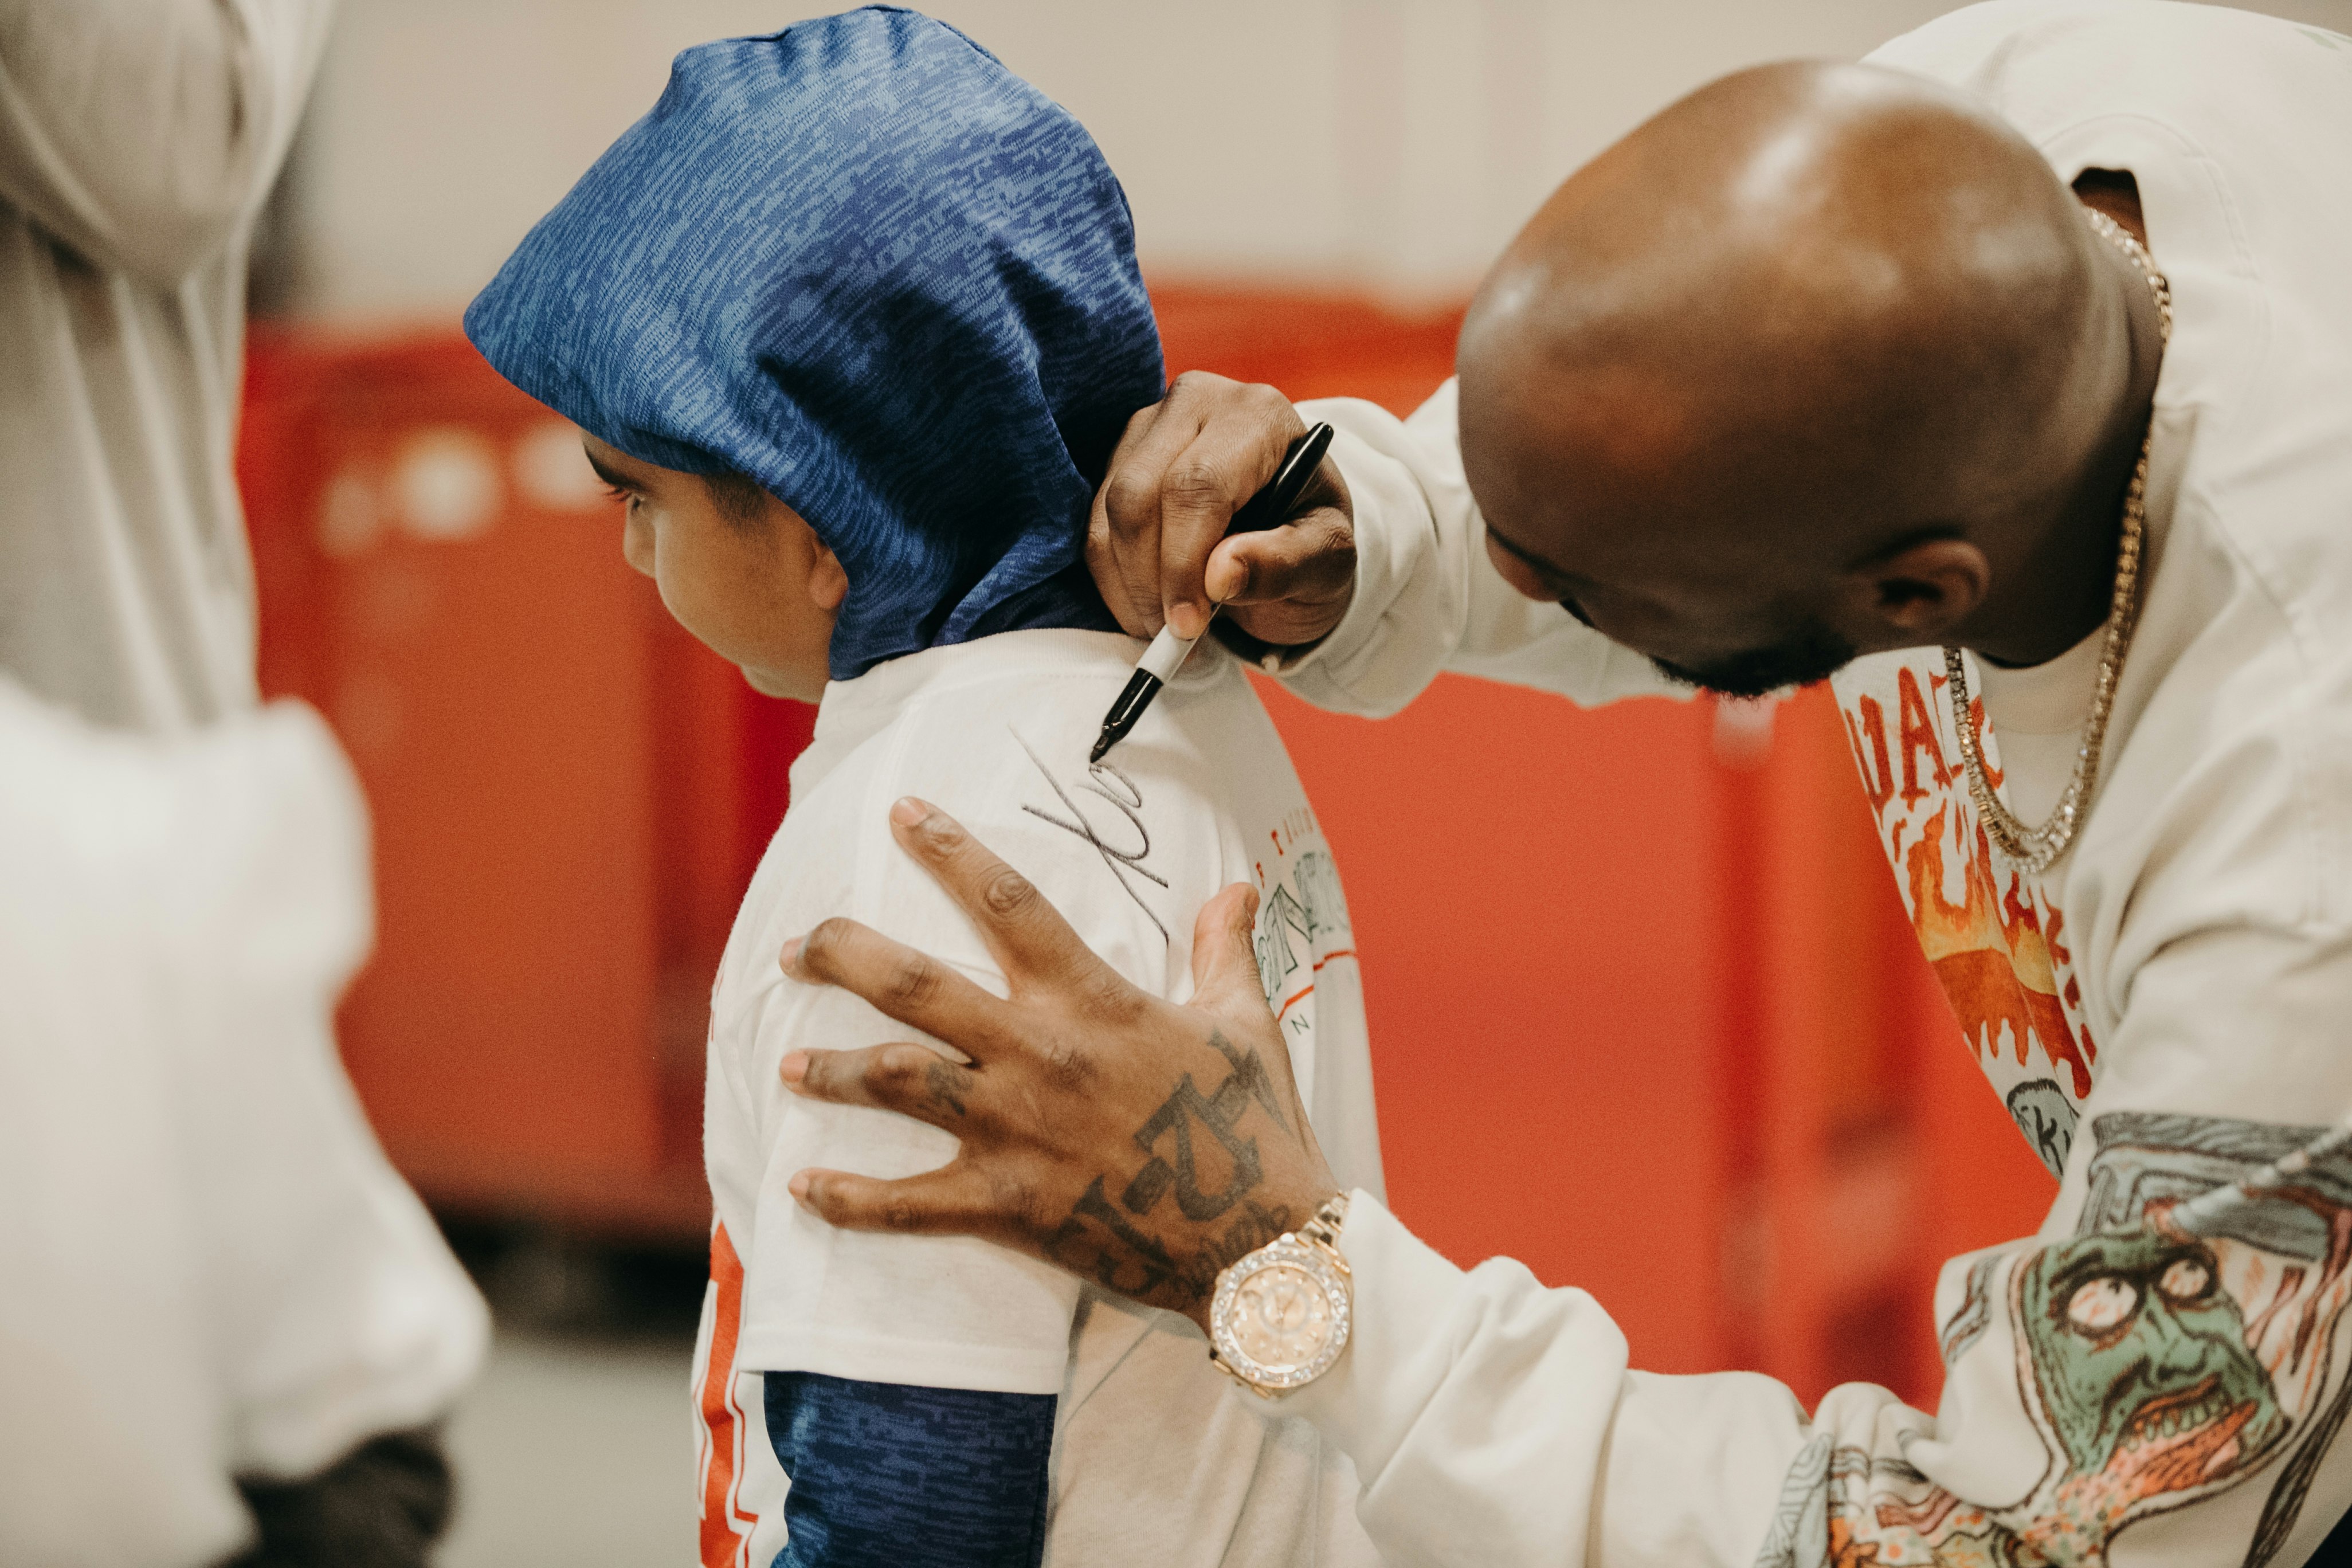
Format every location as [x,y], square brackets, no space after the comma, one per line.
[637,546]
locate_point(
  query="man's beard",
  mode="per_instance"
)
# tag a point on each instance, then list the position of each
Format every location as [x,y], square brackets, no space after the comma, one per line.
[1811,654]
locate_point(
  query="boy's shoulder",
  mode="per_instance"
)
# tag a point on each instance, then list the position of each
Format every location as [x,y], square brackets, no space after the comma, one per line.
[996,733]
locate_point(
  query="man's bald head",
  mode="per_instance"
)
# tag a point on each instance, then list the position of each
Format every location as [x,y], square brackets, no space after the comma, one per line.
[1803,319]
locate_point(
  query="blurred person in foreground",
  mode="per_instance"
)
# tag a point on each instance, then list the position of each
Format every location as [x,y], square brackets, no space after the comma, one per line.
[139,139]
[225,1324]
[2005,380]
[852,320]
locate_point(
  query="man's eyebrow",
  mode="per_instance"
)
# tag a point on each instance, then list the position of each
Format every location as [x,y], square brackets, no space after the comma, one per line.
[617,480]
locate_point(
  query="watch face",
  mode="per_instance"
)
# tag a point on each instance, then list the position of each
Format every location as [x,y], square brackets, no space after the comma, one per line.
[1280,1317]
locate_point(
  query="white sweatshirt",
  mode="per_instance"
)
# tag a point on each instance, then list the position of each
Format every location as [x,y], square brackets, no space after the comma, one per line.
[138,142]
[2161,1371]
[207,1269]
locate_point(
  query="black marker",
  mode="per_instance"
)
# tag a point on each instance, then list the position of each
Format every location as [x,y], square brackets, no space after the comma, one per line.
[1168,651]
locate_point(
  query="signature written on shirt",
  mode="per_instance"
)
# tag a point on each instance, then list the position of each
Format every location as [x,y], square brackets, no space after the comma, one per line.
[1104,782]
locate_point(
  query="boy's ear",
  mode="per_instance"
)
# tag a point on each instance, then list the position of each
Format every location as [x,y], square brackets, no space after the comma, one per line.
[828,584]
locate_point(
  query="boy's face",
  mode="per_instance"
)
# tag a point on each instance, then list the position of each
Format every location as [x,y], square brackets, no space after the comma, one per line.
[758,590]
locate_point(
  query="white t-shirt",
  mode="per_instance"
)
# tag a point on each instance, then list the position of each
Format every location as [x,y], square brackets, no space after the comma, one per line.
[206,1267]
[1151,1466]
[2158,1375]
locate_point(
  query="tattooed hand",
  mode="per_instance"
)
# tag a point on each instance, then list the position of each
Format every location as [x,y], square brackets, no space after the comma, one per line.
[1134,1142]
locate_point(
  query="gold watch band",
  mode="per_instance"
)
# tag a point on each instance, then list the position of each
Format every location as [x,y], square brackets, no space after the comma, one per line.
[1323,1230]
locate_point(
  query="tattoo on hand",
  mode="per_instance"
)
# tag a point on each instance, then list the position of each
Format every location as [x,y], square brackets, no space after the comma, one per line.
[1253,1228]
[948,1084]
[1249,1077]
[1133,1261]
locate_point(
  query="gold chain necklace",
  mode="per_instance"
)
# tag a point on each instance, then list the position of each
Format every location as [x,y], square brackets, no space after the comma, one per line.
[2035,850]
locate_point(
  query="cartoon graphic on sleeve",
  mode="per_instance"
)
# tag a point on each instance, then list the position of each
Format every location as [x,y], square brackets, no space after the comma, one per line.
[2043,1112]
[1995,937]
[2185,1340]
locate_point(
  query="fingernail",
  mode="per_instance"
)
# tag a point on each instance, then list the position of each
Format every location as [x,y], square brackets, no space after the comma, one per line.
[908,811]
[798,1187]
[794,1067]
[790,954]
[1224,580]
[1186,620]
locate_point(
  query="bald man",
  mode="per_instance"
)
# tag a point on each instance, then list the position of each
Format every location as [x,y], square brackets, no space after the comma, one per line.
[2006,381]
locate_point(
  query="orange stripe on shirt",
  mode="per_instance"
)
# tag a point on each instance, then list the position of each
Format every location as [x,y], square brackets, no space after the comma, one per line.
[1304,991]
[722,1418]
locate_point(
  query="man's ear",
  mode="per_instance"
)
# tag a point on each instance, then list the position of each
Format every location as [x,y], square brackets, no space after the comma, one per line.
[828,584]
[1916,595]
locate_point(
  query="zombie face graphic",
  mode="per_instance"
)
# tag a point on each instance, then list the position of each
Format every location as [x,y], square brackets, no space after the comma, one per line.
[2142,1361]
[2183,1343]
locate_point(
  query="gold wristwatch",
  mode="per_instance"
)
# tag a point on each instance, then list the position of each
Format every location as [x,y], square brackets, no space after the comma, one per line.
[1281,1314]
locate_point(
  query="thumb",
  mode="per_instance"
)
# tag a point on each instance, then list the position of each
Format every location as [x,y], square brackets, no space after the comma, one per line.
[1225,953]
[1311,558]
[1225,983]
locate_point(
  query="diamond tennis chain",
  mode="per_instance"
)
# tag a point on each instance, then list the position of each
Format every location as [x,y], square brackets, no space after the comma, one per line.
[2035,850]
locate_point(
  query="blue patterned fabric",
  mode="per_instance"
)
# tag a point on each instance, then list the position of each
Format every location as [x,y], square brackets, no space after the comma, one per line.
[886,1476]
[864,264]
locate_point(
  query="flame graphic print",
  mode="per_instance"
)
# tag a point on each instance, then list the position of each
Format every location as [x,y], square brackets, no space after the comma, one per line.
[1994,937]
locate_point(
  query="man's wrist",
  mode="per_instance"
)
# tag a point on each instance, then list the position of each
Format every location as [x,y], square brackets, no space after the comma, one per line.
[1282,1314]
[1275,1215]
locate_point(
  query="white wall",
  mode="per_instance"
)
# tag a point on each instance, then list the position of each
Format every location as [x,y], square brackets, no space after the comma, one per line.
[1391,144]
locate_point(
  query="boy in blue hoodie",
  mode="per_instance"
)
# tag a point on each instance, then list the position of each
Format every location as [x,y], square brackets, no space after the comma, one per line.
[851,321]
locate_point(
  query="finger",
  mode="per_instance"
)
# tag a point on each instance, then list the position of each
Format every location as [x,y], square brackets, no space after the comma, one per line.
[1237,450]
[1311,562]
[1225,953]
[913,987]
[1155,439]
[1312,555]
[911,1079]
[1025,932]
[1102,565]
[1290,587]
[1123,523]
[950,1201]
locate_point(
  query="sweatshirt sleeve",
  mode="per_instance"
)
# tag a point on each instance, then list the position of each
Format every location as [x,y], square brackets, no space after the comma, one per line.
[143,134]
[1427,600]
[1493,1421]
[2165,1359]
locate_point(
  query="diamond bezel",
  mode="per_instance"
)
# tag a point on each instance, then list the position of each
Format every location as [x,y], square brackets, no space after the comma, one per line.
[1290,1252]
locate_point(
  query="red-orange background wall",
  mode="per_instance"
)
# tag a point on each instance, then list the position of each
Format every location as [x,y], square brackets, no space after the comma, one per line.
[1645,1013]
